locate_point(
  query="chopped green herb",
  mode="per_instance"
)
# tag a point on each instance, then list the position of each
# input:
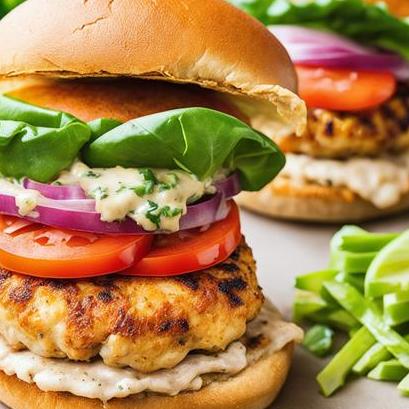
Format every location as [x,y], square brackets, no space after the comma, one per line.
[92,174]
[168,212]
[170,183]
[100,193]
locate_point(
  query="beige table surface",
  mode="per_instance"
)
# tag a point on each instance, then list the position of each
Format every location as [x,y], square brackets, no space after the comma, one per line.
[284,250]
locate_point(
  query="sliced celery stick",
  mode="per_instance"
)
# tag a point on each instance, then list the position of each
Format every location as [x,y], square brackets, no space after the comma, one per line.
[356,280]
[319,339]
[396,308]
[369,315]
[336,253]
[392,371]
[334,374]
[404,386]
[376,354]
[306,303]
[366,242]
[338,318]
[389,272]
[313,281]
[355,262]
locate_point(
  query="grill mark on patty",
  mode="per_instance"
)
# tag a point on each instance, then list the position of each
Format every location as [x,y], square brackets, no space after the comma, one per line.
[236,254]
[229,288]
[165,321]
[229,267]
[81,317]
[190,281]
[23,293]
[329,128]
[181,325]
[105,296]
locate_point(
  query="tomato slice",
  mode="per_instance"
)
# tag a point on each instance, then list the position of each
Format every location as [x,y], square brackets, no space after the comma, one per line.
[344,90]
[37,250]
[191,250]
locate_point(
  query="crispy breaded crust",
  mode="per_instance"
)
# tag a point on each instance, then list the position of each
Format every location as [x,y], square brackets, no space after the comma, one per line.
[145,323]
[254,388]
[314,203]
[331,134]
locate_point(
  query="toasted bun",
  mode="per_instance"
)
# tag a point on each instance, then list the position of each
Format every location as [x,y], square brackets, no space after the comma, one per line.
[254,388]
[208,43]
[119,99]
[313,203]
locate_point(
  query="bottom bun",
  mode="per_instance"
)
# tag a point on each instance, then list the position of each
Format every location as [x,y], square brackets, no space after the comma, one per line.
[314,203]
[254,388]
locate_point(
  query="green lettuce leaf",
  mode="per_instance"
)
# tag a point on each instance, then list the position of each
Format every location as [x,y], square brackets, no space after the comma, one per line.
[368,24]
[8,5]
[39,143]
[198,140]
[36,142]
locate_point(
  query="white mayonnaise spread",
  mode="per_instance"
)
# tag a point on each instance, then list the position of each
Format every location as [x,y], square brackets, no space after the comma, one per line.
[155,198]
[381,181]
[26,199]
[98,381]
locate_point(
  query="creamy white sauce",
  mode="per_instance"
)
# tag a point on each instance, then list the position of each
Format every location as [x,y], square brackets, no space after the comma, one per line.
[99,381]
[155,198]
[381,181]
[26,199]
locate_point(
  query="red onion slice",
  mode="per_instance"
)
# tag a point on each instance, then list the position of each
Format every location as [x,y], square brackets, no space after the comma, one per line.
[56,192]
[316,48]
[66,207]
[229,187]
[54,213]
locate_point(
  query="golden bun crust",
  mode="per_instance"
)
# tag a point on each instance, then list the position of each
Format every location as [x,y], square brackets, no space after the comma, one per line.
[254,388]
[209,43]
[119,99]
[313,203]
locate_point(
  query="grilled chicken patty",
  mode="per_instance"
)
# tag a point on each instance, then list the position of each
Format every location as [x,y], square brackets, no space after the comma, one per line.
[144,323]
[332,134]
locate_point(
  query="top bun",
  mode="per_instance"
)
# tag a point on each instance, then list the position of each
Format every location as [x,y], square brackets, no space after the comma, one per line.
[209,43]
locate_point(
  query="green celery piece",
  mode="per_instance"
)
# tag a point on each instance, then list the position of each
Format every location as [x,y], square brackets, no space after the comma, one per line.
[319,339]
[306,303]
[356,280]
[314,281]
[396,308]
[357,263]
[349,261]
[375,355]
[366,242]
[336,243]
[392,371]
[338,318]
[403,386]
[333,376]
[389,272]
[368,313]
